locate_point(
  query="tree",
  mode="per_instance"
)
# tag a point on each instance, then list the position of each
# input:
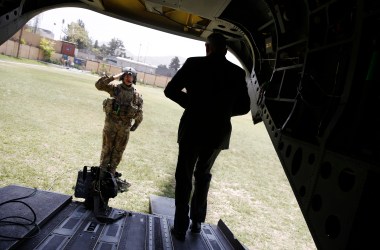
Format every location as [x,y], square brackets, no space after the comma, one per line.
[103,50]
[81,23]
[97,53]
[162,70]
[96,44]
[174,64]
[115,46]
[77,33]
[47,48]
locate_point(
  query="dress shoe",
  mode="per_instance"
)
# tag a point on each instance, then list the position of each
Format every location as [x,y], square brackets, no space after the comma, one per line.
[195,227]
[178,235]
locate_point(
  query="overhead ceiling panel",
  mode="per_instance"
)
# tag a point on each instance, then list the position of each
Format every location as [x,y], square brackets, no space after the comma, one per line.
[208,9]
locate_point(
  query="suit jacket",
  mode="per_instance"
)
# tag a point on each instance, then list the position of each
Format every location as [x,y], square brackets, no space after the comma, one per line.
[211,90]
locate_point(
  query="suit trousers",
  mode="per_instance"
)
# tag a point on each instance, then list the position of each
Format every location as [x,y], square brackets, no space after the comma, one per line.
[198,161]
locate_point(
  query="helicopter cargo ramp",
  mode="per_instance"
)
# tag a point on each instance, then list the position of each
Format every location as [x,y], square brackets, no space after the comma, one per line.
[37,219]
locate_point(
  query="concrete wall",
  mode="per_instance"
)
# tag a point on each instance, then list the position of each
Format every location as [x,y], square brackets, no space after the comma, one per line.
[11,48]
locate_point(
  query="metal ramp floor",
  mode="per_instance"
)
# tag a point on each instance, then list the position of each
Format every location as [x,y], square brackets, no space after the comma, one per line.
[37,219]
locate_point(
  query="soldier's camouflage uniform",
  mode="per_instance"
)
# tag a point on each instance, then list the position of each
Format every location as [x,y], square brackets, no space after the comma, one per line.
[124,107]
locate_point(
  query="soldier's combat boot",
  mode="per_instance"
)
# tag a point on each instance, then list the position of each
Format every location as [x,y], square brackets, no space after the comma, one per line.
[122,185]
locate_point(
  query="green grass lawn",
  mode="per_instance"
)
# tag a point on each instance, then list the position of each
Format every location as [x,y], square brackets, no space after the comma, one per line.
[51,126]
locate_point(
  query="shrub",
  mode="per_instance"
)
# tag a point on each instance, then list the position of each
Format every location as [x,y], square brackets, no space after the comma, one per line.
[47,48]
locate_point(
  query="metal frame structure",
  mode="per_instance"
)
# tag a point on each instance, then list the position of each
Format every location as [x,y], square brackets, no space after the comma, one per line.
[313,80]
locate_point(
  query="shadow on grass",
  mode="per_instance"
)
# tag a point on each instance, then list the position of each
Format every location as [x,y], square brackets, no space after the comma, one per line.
[168,188]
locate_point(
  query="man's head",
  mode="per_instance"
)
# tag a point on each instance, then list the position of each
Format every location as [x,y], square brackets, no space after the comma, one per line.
[216,44]
[129,76]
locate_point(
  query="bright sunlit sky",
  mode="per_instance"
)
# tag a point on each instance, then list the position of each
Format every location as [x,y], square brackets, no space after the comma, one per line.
[139,40]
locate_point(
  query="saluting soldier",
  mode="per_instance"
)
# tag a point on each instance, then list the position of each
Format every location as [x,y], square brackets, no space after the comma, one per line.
[123,114]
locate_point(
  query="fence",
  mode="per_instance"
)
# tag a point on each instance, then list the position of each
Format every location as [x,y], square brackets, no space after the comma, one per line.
[13,48]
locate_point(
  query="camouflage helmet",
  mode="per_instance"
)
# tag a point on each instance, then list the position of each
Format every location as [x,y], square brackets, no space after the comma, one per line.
[129,71]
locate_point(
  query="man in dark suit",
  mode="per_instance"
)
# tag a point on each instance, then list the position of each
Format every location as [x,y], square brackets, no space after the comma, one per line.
[211,90]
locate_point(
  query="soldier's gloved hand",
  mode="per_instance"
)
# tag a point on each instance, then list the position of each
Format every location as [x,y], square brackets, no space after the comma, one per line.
[134,126]
[116,77]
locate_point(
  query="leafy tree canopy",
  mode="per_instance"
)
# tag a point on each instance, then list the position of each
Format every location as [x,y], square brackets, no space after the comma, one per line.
[164,70]
[96,44]
[114,45]
[174,64]
[77,33]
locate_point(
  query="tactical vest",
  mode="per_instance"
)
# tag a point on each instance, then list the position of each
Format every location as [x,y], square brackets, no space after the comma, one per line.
[124,102]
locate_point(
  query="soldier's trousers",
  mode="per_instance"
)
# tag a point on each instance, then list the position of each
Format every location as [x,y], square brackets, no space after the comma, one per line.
[202,161]
[115,139]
